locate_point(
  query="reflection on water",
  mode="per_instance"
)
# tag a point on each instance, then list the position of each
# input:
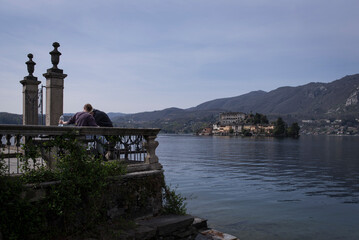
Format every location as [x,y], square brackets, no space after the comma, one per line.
[266,188]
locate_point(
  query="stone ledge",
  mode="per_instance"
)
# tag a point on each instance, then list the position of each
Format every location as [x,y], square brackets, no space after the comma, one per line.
[141,232]
[143,174]
[138,167]
[168,224]
[199,223]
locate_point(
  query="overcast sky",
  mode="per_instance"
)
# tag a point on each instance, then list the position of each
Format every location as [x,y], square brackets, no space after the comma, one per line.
[133,56]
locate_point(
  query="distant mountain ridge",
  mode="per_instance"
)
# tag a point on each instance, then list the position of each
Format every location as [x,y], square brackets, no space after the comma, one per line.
[10,118]
[313,100]
[336,99]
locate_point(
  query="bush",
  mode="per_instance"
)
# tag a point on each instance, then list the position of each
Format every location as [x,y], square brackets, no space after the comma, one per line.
[173,203]
[76,200]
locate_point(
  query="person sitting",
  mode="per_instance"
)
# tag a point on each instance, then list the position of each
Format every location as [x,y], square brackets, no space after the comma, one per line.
[101,118]
[102,142]
[81,119]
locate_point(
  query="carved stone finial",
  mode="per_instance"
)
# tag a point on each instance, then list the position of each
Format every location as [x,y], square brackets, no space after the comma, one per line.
[30,65]
[55,55]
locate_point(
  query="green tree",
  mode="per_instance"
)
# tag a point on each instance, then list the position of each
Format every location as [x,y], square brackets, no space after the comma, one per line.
[280,129]
[257,118]
[293,130]
[264,119]
[260,119]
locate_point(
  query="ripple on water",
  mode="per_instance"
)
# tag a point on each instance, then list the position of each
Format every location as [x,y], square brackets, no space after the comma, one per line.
[268,188]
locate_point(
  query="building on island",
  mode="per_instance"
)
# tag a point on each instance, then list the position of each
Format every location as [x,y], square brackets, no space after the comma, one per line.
[238,123]
[231,118]
[206,131]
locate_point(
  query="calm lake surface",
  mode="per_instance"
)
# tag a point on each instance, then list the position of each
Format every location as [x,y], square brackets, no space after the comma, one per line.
[267,188]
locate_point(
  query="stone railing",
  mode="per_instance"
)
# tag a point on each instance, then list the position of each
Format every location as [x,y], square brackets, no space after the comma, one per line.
[125,144]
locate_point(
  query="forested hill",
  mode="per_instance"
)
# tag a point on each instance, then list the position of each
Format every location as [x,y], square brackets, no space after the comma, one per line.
[313,99]
[10,118]
[337,99]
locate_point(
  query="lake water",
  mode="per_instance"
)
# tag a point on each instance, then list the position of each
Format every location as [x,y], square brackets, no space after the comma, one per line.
[267,188]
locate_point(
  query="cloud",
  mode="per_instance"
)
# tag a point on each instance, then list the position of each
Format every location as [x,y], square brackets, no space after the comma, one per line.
[133,56]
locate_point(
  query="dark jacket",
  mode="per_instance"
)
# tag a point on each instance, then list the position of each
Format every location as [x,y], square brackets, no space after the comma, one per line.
[102,118]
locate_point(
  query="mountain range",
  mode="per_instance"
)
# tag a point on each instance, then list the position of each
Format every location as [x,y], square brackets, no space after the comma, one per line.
[337,99]
[313,99]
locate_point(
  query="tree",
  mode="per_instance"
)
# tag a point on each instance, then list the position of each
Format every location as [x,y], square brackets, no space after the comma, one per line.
[260,119]
[264,119]
[280,129]
[257,118]
[293,130]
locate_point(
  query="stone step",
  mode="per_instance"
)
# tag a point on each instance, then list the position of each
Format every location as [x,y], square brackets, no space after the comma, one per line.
[199,223]
[168,224]
[177,227]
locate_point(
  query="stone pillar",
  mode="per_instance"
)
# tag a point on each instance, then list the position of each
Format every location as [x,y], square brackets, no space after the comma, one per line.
[54,89]
[30,115]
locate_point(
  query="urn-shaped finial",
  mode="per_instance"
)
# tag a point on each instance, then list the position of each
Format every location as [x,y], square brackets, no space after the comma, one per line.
[55,55]
[30,65]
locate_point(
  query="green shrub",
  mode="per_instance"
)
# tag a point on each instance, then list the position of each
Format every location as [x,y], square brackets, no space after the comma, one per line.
[173,203]
[76,199]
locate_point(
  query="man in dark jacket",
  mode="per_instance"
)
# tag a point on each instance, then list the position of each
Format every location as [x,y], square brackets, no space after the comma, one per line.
[101,118]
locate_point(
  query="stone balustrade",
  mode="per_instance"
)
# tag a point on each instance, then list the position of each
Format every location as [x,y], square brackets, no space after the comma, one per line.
[125,144]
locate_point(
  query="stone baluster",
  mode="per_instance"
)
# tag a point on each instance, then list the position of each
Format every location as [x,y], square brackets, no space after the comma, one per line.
[151,144]
[110,154]
[8,140]
[18,140]
[1,144]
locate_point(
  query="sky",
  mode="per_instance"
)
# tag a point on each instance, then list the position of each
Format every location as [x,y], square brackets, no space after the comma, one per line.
[145,55]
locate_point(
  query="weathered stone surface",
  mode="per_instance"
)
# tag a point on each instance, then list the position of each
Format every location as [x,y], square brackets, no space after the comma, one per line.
[151,146]
[143,167]
[184,233]
[54,89]
[200,223]
[143,174]
[54,130]
[135,195]
[168,224]
[144,232]
[54,97]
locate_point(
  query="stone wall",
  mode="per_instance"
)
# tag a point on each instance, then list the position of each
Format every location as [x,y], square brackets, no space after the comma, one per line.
[135,195]
[131,196]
